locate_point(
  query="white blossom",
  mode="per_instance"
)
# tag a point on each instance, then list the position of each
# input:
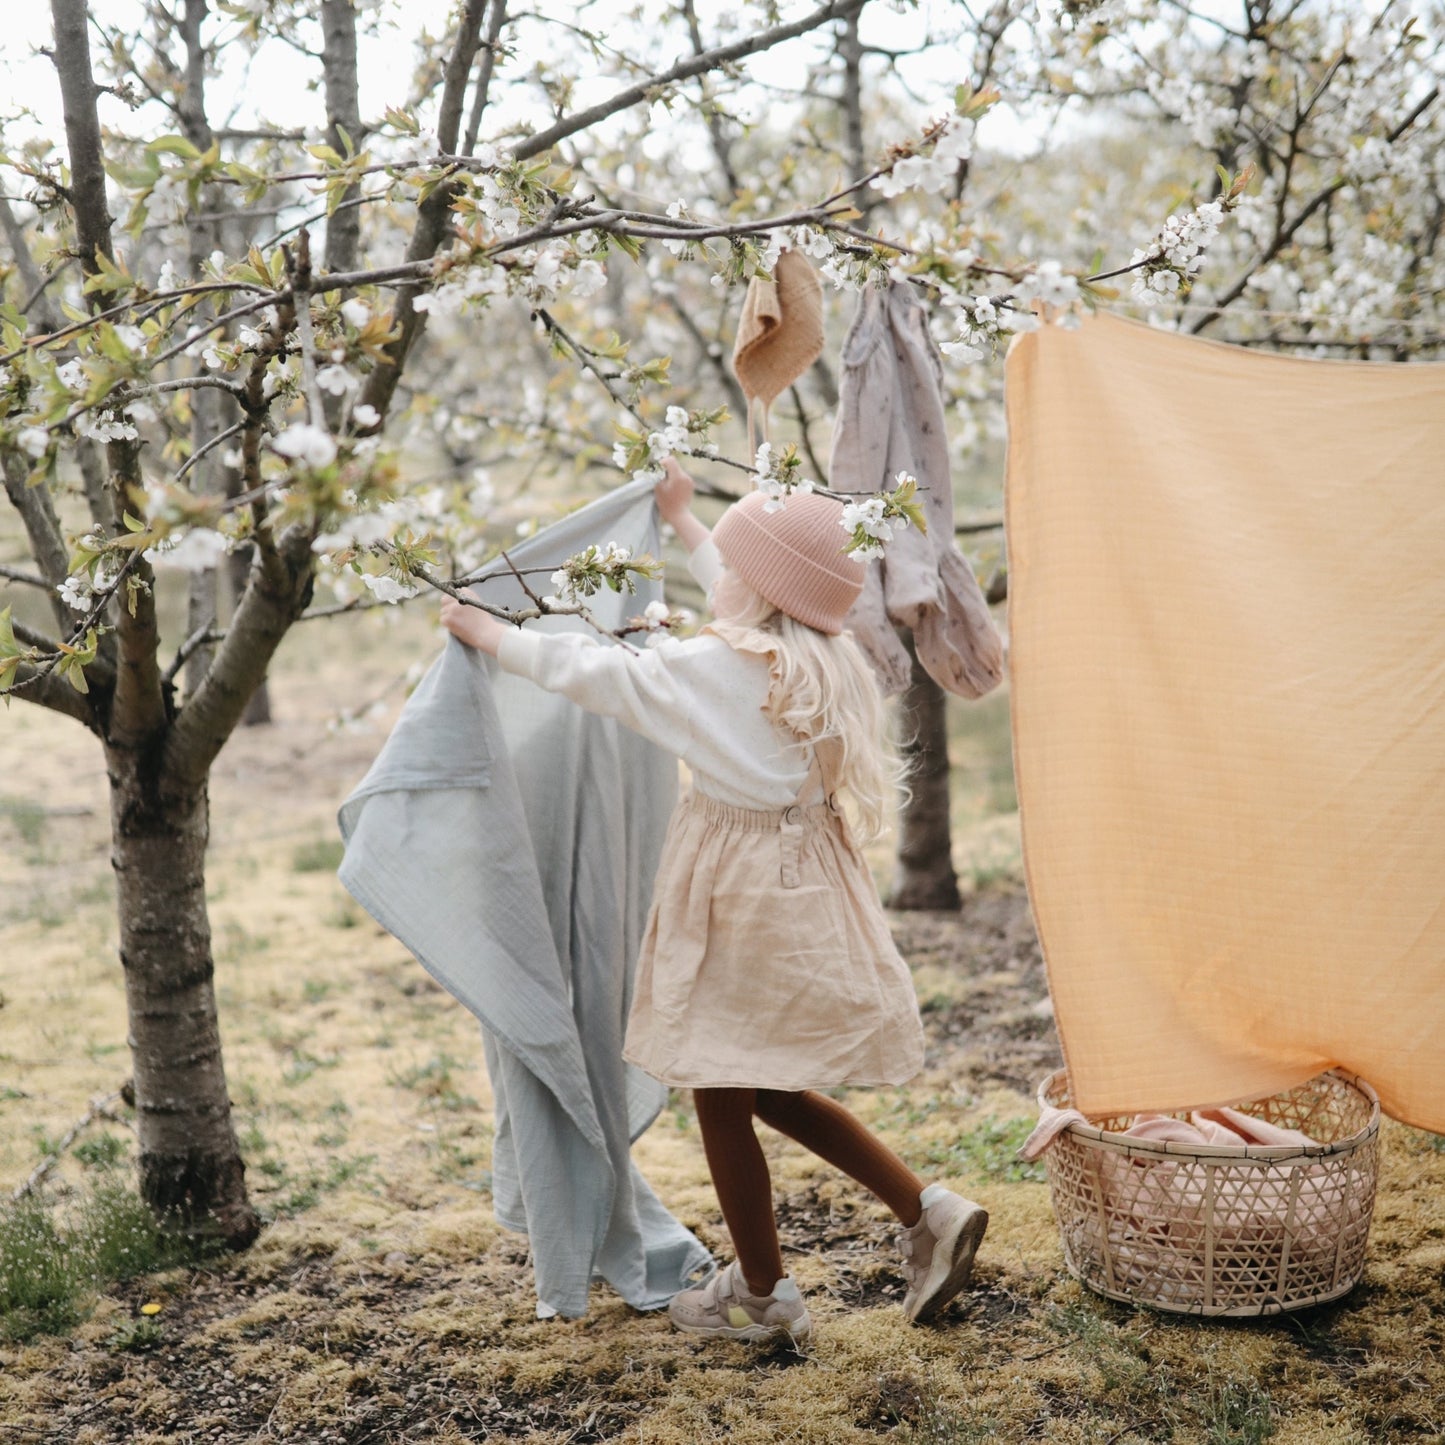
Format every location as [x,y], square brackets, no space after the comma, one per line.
[278,375]
[197,550]
[72,375]
[961,351]
[868,515]
[812,242]
[337,380]
[587,279]
[33,441]
[311,445]
[1049,283]
[365,415]
[956,142]
[677,211]
[1176,253]
[356,311]
[388,589]
[76,592]
[105,429]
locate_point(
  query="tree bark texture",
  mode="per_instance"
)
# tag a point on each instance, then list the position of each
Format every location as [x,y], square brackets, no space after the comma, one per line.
[343,112]
[190,1163]
[923,872]
[82,128]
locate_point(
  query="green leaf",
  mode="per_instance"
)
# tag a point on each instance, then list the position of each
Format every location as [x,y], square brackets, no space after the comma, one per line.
[133,524]
[8,645]
[174,145]
[401,121]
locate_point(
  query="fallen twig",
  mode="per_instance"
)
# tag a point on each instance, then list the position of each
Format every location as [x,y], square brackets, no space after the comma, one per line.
[99,1109]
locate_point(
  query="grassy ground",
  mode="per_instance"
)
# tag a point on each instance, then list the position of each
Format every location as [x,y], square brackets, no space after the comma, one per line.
[383,1303]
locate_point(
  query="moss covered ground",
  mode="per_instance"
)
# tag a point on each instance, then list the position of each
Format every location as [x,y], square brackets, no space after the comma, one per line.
[384,1303]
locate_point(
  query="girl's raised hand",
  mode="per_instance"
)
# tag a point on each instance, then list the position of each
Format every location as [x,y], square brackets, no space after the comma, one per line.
[473,626]
[674,492]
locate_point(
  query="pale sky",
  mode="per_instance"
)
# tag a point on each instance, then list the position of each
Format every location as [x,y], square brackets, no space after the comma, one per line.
[275,86]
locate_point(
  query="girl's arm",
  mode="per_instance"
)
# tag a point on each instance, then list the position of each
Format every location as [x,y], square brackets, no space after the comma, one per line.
[674,502]
[639,689]
[474,627]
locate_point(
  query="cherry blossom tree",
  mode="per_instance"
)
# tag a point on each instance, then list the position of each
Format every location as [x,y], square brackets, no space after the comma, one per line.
[212,358]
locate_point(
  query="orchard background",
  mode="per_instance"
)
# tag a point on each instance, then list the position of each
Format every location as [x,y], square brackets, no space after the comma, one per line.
[309,309]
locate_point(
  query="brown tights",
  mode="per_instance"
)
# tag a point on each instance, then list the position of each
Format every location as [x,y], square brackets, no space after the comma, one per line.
[740,1172]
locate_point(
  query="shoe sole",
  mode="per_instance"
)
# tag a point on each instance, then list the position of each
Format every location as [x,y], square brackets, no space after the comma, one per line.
[749,1334]
[952,1263]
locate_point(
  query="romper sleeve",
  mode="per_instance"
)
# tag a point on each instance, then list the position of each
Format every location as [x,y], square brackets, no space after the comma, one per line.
[639,689]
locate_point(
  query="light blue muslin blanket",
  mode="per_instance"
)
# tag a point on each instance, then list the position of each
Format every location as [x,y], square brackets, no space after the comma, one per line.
[509,839]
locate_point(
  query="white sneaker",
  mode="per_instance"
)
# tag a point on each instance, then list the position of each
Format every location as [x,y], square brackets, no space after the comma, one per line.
[723,1307]
[938,1251]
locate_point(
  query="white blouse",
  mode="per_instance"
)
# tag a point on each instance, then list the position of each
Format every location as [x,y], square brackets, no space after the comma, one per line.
[698,698]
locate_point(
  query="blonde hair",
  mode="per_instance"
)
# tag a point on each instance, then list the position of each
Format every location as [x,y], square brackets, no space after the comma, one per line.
[825,688]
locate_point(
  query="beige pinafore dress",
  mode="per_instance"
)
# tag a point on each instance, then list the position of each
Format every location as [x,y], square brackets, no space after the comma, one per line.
[767,961]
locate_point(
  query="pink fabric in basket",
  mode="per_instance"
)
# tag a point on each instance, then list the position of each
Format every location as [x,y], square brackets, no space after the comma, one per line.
[1203,1126]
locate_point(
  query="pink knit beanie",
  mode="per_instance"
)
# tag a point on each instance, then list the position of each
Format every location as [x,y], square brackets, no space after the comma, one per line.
[794,556]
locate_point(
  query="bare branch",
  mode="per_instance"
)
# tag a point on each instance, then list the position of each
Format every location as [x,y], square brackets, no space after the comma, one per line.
[29,579]
[42,527]
[275,597]
[496,18]
[30,277]
[433,216]
[31,638]
[717,133]
[300,268]
[210,446]
[1285,233]
[203,636]
[683,70]
[805,432]
[40,685]
[82,133]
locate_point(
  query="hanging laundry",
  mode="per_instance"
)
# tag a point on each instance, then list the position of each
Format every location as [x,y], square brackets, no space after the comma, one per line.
[1227,655]
[890,420]
[779,336]
[509,840]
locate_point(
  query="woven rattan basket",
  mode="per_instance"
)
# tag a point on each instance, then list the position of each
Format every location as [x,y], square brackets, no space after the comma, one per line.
[1216,1230]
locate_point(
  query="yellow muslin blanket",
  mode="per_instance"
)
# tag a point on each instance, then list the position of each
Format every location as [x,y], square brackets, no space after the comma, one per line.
[1227,638]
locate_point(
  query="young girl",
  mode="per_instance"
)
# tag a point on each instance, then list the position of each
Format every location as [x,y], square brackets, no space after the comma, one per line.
[767,972]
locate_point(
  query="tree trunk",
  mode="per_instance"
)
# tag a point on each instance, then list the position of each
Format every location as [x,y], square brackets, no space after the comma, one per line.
[923,874]
[190,1163]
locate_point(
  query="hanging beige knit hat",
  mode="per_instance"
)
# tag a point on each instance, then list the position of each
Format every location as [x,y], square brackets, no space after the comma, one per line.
[780,333]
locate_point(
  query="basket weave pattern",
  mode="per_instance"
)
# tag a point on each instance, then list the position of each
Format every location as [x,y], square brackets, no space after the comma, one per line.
[1221,1230]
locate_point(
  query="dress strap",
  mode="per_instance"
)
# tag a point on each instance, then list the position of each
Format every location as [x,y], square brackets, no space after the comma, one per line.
[823,771]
